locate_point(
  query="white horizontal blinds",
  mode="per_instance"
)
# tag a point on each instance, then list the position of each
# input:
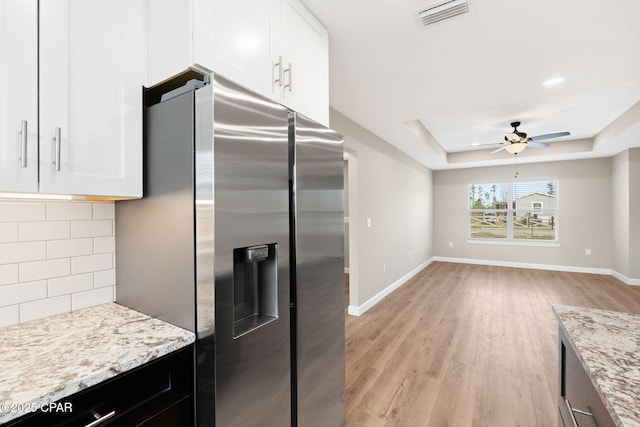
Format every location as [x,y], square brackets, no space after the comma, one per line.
[535,206]
[514,210]
[488,210]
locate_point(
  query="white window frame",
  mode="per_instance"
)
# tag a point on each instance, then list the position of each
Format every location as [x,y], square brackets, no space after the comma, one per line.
[534,208]
[509,240]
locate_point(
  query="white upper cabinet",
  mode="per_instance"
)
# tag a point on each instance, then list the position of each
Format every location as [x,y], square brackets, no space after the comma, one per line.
[92,67]
[234,38]
[19,95]
[305,53]
[169,41]
[274,47]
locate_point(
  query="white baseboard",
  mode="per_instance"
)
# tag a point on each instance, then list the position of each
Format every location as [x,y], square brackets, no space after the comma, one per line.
[359,310]
[553,267]
[625,279]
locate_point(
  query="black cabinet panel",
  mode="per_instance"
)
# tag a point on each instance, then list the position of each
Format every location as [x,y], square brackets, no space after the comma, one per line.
[177,415]
[578,399]
[135,398]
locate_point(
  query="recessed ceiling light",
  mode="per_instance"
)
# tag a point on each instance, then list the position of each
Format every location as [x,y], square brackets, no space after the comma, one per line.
[553,81]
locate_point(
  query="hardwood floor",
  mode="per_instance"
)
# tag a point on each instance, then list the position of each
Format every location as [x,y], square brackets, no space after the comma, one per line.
[467,345]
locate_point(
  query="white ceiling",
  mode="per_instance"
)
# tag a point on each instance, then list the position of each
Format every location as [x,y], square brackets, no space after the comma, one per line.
[433,91]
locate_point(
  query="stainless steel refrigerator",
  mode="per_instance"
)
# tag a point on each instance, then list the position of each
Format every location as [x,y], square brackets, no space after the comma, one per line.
[239,238]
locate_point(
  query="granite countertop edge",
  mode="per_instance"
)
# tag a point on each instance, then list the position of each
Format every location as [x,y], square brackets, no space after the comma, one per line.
[153,339]
[595,379]
[587,369]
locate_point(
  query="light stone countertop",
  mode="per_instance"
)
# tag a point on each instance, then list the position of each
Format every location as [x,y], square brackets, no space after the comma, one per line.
[45,360]
[607,344]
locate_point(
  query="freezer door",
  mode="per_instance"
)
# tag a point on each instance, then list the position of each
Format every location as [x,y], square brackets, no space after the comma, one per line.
[317,153]
[251,217]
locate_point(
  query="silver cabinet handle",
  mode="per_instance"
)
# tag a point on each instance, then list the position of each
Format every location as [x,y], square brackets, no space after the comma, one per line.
[571,411]
[23,137]
[572,417]
[279,75]
[290,71]
[100,419]
[57,141]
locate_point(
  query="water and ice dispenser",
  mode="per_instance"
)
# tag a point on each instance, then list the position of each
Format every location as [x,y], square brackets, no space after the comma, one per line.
[255,287]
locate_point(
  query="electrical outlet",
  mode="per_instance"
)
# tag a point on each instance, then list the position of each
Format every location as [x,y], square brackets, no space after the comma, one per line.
[384,268]
[369,222]
[587,251]
[450,244]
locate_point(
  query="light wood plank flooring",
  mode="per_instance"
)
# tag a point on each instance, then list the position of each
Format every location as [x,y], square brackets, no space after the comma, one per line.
[467,345]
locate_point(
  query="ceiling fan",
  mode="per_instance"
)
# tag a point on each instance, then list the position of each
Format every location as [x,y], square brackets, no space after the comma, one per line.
[517,141]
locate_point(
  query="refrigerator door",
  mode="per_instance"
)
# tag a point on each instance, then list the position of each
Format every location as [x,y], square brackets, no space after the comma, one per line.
[251,223]
[317,154]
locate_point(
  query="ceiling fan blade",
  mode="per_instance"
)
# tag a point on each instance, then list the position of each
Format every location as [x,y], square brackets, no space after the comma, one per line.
[499,149]
[535,144]
[489,143]
[549,136]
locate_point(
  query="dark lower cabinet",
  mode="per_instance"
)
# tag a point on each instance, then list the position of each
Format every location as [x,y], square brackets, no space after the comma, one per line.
[579,403]
[157,394]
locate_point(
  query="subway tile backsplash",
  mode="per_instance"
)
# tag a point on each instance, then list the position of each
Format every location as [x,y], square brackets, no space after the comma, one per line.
[55,256]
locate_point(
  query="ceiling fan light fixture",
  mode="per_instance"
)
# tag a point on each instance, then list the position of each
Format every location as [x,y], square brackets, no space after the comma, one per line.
[516,147]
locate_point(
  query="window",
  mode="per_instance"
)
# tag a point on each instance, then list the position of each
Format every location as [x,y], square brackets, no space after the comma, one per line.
[514,211]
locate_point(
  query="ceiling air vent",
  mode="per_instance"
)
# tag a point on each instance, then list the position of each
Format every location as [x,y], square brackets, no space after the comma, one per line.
[442,10]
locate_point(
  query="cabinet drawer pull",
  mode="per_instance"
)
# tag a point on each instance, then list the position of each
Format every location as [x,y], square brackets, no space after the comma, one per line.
[23,138]
[279,65]
[578,411]
[57,141]
[290,71]
[573,411]
[100,418]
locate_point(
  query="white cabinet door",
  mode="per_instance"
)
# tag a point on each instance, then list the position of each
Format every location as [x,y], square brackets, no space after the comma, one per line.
[169,38]
[234,39]
[273,47]
[305,49]
[92,57]
[18,95]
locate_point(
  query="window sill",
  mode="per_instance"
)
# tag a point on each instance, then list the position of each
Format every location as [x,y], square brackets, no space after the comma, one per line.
[546,244]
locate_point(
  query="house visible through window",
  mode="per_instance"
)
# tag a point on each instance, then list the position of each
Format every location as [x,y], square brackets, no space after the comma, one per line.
[514,210]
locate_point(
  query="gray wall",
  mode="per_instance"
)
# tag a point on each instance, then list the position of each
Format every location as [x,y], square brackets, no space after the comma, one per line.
[394,191]
[626,213]
[620,215]
[346,214]
[634,213]
[585,222]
